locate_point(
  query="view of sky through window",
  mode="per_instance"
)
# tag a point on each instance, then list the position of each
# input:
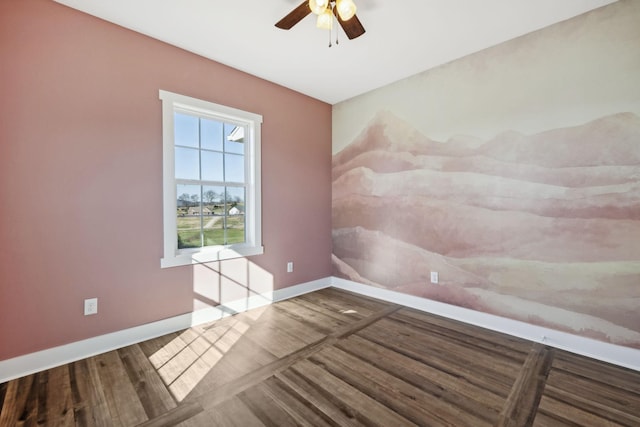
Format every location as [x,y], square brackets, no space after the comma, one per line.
[210,181]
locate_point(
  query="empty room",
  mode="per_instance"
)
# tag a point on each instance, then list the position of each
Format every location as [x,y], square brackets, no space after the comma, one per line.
[320,213]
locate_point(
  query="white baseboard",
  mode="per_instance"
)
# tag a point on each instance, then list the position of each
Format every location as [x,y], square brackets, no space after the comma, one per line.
[34,362]
[56,356]
[611,353]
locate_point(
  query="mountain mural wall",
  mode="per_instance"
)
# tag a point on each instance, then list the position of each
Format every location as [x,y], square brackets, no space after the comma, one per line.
[543,228]
[513,172]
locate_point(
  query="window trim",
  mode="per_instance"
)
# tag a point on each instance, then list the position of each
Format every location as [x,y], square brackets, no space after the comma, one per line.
[253,202]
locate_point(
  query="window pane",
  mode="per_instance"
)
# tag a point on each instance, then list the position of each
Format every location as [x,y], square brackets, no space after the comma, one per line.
[213,220]
[233,168]
[235,225]
[234,138]
[187,163]
[186,130]
[189,218]
[212,134]
[212,167]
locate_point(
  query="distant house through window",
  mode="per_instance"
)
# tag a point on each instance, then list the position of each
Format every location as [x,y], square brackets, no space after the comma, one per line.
[211,180]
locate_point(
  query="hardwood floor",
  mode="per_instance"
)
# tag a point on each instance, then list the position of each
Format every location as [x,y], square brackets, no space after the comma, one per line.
[329,358]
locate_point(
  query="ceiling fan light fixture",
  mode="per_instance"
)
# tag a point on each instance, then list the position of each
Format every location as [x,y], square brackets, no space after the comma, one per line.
[325,20]
[346,9]
[318,6]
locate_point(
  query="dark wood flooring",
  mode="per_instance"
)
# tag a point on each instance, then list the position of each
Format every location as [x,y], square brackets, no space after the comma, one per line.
[329,358]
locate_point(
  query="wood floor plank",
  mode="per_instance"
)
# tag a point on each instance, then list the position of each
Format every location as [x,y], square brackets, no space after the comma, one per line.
[339,309]
[499,344]
[176,366]
[3,394]
[20,402]
[350,301]
[270,413]
[160,356]
[234,413]
[212,396]
[454,388]
[300,409]
[203,419]
[151,391]
[341,415]
[402,397]
[340,303]
[181,413]
[569,415]
[320,322]
[58,409]
[479,371]
[573,398]
[90,403]
[466,353]
[121,397]
[601,394]
[366,409]
[214,368]
[344,313]
[275,340]
[522,404]
[152,346]
[214,371]
[305,330]
[616,376]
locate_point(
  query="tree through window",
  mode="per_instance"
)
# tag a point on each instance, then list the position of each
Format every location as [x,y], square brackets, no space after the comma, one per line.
[211,177]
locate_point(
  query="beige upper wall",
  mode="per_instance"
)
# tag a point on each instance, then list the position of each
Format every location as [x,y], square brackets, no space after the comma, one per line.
[547,79]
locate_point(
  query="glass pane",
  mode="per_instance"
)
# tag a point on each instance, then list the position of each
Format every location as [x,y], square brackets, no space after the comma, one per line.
[186,130]
[212,166]
[234,168]
[234,138]
[213,198]
[189,219]
[235,225]
[187,163]
[213,218]
[212,134]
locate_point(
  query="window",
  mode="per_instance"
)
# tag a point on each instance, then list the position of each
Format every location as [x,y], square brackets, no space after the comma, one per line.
[211,180]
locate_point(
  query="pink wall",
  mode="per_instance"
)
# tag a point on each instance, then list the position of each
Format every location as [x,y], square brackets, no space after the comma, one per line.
[81,169]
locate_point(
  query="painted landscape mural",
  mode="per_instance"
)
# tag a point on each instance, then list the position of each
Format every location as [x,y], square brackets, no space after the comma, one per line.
[543,228]
[514,172]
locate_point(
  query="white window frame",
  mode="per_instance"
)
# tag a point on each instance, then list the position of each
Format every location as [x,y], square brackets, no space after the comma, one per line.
[173,256]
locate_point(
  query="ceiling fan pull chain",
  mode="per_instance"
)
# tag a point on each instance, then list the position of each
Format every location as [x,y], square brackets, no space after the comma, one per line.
[329,38]
[335,18]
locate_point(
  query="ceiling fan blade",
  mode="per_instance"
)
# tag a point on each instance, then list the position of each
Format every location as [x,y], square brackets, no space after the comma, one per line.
[294,16]
[353,27]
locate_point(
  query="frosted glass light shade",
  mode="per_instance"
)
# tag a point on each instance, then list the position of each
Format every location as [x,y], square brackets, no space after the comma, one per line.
[346,9]
[318,6]
[325,20]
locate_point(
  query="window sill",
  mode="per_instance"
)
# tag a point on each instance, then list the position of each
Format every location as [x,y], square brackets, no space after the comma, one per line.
[210,255]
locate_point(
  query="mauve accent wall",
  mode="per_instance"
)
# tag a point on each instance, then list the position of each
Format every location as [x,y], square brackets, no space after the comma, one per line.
[81,179]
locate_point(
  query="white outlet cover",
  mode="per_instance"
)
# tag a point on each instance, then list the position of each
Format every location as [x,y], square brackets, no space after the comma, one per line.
[290,267]
[90,306]
[434,277]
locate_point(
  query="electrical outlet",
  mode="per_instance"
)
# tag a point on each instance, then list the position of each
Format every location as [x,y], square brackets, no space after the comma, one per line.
[434,277]
[90,306]
[290,267]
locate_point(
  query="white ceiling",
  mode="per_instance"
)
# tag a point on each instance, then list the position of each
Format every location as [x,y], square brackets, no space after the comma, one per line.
[403,37]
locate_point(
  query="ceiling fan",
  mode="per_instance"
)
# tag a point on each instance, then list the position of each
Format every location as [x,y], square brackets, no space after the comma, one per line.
[343,10]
